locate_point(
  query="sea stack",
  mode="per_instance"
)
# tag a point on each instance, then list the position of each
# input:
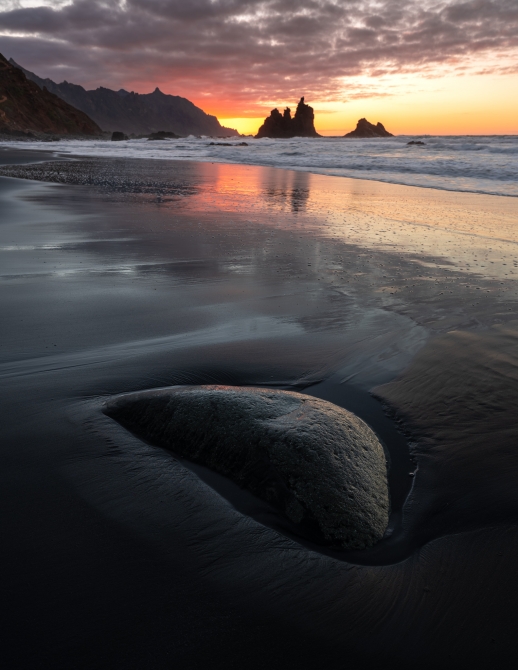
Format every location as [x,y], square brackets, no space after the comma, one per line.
[366,129]
[315,462]
[280,126]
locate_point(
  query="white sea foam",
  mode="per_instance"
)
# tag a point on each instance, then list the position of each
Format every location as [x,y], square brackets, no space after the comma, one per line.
[481,164]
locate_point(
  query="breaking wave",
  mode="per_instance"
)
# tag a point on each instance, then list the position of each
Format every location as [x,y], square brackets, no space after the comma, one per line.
[480,164]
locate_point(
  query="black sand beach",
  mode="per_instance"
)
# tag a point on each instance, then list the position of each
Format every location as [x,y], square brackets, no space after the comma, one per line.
[397,303]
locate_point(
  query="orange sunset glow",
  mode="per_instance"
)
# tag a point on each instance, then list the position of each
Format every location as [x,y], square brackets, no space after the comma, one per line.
[259,334]
[451,105]
[427,68]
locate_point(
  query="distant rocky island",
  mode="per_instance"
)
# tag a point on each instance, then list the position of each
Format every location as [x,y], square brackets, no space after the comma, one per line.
[280,126]
[366,129]
[134,113]
[26,109]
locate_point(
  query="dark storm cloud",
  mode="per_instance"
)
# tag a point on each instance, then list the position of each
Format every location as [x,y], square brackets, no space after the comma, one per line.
[255,49]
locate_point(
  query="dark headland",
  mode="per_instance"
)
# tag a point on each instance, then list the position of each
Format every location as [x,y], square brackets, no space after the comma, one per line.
[27,109]
[366,129]
[135,113]
[281,126]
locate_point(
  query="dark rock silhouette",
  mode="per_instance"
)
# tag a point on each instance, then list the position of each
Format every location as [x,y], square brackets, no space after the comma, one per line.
[279,125]
[26,109]
[117,136]
[134,113]
[228,144]
[416,143]
[366,129]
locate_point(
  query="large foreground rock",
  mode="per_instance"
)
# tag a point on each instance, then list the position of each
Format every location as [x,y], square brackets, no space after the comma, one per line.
[309,458]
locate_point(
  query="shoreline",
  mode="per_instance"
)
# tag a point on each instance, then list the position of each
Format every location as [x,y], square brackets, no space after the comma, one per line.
[137,192]
[246,275]
[339,393]
[440,165]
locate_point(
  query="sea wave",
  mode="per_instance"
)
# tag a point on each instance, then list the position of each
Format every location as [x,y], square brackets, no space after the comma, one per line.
[480,164]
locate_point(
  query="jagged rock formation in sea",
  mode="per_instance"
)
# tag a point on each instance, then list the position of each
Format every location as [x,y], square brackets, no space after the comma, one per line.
[366,129]
[135,113]
[279,125]
[25,108]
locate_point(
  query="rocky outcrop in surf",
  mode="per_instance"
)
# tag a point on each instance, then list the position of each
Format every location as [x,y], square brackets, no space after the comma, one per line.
[366,130]
[280,126]
[312,460]
[26,109]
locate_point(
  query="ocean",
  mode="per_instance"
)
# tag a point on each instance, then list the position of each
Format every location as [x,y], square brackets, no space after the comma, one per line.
[477,164]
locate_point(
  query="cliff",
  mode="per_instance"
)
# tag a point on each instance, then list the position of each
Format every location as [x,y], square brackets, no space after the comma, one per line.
[366,129]
[26,108]
[279,125]
[135,113]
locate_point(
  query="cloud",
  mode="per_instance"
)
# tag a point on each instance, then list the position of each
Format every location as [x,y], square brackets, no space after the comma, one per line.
[253,52]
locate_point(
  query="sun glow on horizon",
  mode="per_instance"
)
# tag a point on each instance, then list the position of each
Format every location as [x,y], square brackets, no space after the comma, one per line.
[429,68]
[451,105]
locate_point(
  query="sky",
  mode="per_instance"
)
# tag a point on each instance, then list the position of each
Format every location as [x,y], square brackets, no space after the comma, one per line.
[418,66]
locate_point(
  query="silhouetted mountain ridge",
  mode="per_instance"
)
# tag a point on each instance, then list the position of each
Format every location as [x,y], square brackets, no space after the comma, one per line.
[25,108]
[135,113]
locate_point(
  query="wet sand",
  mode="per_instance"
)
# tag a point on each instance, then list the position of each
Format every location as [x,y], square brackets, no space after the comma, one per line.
[116,554]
